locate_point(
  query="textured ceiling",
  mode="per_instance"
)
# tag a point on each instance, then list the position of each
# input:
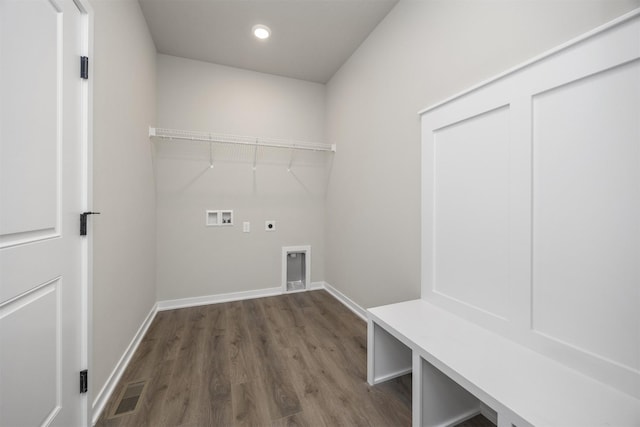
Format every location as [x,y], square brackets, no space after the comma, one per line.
[310,39]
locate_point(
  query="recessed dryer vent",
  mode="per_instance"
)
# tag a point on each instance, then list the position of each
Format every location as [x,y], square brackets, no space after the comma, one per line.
[296,268]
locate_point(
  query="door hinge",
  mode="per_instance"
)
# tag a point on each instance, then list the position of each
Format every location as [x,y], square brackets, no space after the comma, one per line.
[84,381]
[83,221]
[84,67]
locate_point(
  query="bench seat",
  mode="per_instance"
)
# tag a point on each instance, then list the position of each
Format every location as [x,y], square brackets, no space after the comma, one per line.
[522,387]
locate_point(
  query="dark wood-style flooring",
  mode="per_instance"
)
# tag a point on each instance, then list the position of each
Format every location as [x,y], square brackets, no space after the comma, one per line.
[292,360]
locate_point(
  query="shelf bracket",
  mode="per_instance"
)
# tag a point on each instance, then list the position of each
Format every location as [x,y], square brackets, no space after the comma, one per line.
[255,155]
[290,159]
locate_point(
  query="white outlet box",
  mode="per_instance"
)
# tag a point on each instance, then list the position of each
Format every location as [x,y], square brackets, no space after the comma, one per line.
[246,227]
[270,225]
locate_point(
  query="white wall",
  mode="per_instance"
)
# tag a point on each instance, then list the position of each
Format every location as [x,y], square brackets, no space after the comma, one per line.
[123,73]
[195,260]
[422,52]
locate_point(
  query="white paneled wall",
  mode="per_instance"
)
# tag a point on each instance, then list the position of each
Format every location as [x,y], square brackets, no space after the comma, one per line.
[531,204]
[472,221]
[586,214]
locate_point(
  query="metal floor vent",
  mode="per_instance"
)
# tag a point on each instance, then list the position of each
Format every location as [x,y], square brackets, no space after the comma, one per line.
[130,397]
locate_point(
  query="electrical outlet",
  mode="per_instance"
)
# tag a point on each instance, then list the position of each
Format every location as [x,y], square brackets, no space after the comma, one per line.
[246,227]
[270,225]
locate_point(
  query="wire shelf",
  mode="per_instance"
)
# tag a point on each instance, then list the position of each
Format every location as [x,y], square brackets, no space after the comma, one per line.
[220,138]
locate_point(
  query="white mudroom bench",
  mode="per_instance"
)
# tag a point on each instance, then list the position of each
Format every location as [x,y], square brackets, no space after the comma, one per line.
[461,369]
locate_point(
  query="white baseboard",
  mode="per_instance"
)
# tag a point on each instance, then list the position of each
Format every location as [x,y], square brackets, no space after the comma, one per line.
[348,302]
[260,293]
[316,285]
[107,389]
[215,299]
[233,296]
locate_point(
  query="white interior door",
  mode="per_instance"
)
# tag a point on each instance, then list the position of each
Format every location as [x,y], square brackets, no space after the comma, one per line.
[42,185]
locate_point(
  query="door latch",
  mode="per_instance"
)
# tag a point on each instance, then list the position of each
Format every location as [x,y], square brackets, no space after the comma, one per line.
[83,221]
[84,381]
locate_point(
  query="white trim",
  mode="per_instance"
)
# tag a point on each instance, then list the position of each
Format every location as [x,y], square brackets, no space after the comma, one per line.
[215,299]
[87,13]
[313,287]
[233,296]
[259,293]
[538,58]
[316,285]
[103,395]
[348,302]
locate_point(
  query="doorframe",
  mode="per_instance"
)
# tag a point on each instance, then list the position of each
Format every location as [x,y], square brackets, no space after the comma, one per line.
[86,122]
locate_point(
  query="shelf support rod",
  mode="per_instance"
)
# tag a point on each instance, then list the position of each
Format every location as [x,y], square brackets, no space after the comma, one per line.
[255,155]
[290,159]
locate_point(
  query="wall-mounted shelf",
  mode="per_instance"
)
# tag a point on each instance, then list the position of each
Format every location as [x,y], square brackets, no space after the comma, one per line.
[254,141]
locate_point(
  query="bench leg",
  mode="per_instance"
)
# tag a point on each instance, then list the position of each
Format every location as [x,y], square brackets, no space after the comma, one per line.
[387,357]
[507,418]
[416,396]
[371,349]
[437,399]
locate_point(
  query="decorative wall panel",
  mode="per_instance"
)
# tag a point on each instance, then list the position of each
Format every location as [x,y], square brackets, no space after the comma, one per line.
[531,204]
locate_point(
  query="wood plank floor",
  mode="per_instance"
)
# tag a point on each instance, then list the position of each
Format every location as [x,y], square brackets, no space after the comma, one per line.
[291,360]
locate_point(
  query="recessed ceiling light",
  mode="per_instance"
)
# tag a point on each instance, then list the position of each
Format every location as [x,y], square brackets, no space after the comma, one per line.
[261,31]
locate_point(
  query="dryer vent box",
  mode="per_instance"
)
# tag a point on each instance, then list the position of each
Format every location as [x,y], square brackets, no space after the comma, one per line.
[296,268]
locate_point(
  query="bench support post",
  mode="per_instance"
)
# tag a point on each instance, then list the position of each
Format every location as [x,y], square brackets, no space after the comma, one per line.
[437,399]
[387,357]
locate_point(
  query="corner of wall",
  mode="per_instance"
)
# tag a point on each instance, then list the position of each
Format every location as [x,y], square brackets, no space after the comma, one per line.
[124,89]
